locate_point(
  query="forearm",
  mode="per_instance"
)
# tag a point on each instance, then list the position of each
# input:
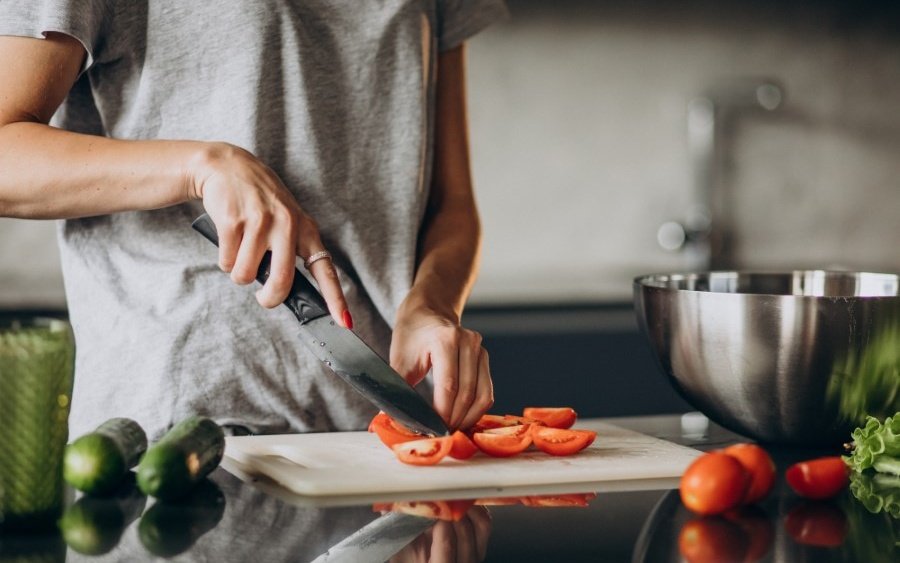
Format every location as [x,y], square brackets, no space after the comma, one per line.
[49,173]
[448,260]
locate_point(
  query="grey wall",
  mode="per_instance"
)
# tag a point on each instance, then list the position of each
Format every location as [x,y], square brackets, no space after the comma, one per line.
[578,116]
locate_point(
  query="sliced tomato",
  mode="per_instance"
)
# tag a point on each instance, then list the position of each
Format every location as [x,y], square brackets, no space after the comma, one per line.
[488,421]
[512,419]
[425,451]
[502,445]
[818,478]
[554,417]
[390,431]
[556,441]
[463,447]
[560,501]
[517,430]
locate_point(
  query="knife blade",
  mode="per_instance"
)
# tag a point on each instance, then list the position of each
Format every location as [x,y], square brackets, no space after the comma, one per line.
[345,353]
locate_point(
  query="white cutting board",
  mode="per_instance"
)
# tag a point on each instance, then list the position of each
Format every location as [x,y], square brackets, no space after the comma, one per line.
[357,463]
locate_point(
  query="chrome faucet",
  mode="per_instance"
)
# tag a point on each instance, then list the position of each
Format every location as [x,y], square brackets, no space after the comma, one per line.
[705,232]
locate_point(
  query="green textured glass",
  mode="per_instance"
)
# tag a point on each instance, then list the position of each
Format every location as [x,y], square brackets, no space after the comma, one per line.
[36,370]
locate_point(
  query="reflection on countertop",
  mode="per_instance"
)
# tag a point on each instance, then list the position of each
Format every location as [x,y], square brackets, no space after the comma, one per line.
[227,519]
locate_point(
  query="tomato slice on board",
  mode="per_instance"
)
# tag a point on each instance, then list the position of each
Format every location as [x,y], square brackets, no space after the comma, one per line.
[554,417]
[556,441]
[425,451]
[463,447]
[502,445]
[390,431]
[818,478]
[517,430]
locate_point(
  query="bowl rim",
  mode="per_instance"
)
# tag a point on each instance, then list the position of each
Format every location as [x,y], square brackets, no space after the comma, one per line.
[656,281]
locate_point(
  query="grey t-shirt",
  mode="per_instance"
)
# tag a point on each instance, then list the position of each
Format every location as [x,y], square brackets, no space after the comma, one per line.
[337,97]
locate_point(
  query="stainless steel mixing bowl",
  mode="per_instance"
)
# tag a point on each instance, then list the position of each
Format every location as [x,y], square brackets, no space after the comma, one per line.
[792,358]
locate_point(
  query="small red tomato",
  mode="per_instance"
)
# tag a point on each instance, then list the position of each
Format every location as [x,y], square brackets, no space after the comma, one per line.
[556,441]
[759,465]
[714,483]
[818,478]
[427,451]
[462,447]
[816,523]
[554,417]
[502,445]
[712,540]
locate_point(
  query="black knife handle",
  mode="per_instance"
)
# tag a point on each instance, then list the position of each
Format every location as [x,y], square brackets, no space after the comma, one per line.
[304,301]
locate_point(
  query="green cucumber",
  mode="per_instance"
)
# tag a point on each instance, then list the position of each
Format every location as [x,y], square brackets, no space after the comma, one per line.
[184,456]
[96,463]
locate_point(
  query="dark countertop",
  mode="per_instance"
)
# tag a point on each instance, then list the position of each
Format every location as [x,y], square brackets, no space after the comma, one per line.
[229,520]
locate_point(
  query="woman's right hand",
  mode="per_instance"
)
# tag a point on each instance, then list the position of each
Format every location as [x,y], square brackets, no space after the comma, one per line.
[254,212]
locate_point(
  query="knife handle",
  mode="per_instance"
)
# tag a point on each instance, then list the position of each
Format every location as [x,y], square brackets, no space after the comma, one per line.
[304,301]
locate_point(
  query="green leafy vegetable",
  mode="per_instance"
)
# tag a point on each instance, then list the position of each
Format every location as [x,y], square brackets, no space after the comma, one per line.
[877,446]
[878,493]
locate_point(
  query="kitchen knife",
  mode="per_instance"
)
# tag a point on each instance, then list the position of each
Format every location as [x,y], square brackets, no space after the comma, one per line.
[342,351]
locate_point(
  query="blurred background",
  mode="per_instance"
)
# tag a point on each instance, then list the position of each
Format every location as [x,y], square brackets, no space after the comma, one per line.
[616,138]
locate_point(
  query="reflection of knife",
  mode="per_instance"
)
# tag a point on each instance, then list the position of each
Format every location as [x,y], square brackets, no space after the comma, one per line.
[343,352]
[378,541]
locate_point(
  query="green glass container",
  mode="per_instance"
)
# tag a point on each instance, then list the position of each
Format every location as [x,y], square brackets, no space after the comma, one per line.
[37,357]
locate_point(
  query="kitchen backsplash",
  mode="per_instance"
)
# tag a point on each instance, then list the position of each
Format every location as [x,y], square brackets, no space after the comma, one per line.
[579,131]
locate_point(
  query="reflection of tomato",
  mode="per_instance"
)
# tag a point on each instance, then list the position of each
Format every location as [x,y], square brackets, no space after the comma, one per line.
[818,478]
[554,417]
[462,447]
[458,508]
[500,445]
[498,501]
[557,501]
[819,524]
[426,451]
[390,431]
[712,540]
[452,510]
[760,467]
[714,483]
[555,441]
[758,527]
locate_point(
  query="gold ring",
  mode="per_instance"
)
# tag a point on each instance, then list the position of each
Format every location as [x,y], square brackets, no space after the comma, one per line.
[324,254]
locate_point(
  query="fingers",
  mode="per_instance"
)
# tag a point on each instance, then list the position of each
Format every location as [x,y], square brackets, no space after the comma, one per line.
[445,367]
[484,392]
[230,233]
[466,547]
[481,525]
[249,255]
[467,378]
[443,543]
[327,278]
[281,270]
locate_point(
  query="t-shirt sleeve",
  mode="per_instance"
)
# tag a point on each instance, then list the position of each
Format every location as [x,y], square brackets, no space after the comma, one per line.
[459,20]
[82,19]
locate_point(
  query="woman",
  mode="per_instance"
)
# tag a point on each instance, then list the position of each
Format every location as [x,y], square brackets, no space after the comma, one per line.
[304,127]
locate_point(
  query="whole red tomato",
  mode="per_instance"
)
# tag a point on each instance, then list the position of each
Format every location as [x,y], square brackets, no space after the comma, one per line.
[759,465]
[818,478]
[714,483]
[712,540]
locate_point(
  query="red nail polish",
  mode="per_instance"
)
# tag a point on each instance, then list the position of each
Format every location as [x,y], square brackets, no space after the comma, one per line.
[348,320]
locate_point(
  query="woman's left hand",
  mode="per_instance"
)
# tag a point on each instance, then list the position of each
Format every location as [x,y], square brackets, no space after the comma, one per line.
[426,340]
